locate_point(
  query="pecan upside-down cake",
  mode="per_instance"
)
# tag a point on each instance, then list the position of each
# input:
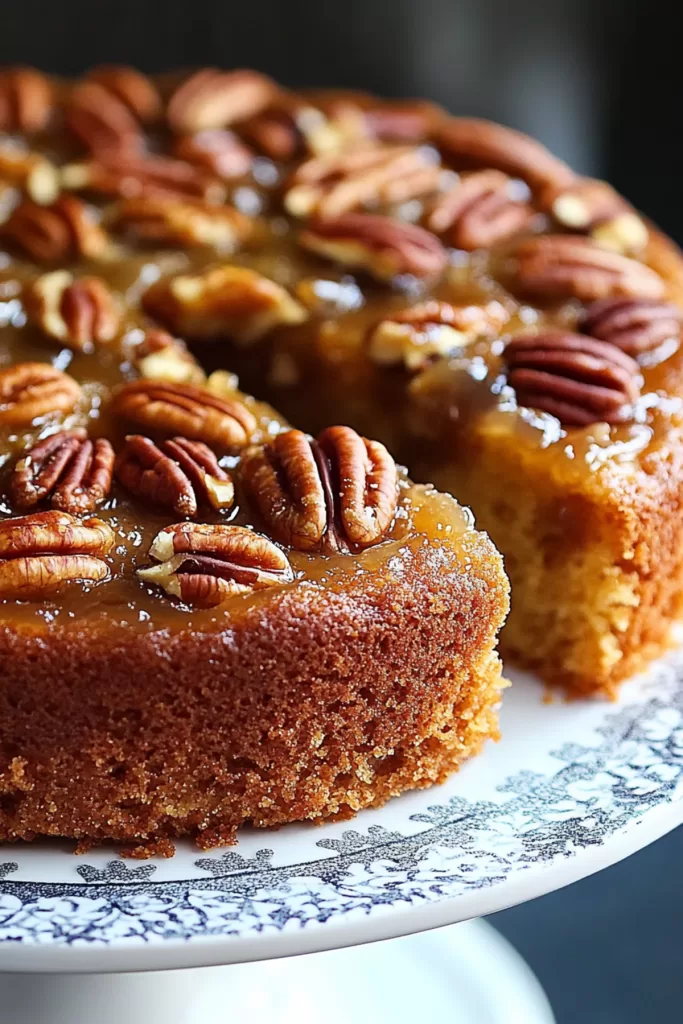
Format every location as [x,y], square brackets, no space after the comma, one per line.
[209,617]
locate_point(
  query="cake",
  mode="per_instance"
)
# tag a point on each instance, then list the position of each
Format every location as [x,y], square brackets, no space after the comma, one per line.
[207,617]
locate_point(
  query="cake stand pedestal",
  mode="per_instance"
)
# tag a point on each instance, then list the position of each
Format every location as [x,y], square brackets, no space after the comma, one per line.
[466,974]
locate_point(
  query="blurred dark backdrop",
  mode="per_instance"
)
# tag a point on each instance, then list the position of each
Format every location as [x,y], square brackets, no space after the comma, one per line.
[597,80]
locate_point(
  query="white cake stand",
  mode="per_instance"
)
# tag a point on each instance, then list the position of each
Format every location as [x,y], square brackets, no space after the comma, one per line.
[572,788]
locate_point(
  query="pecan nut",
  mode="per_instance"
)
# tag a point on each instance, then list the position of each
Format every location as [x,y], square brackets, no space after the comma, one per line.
[483,209]
[469,142]
[164,221]
[32,172]
[62,231]
[218,152]
[101,121]
[178,473]
[335,493]
[382,246]
[577,379]
[206,565]
[225,302]
[596,208]
[213,99]
[135,90]
[26,101]
[29,391]
[636,326]
[41,552]
[195,413]
[430,330]
[74,472]
[570,266]
[131,176]
[80,314]
[330,186]
[157,355]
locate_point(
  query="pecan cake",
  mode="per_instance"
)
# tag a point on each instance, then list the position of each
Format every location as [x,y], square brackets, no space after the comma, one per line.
[206,616]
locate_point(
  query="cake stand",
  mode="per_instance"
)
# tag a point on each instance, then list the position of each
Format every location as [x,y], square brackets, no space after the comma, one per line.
[573,787]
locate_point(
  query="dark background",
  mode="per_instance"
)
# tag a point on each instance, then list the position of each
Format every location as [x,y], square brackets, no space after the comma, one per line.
[600,82]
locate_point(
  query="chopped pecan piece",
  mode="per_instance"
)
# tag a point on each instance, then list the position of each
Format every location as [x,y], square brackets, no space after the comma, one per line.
[80,314]
[164,221]
[569,266]
[157,355]
[137,91]
[41,552]
[74,472]
[56,233]
[473,143]
[32,390]
[380,245]
[483,209]
[218,151]
[227,301]
[417,336]
[335,493]
[32,172]
[128,176]
[101,121]
[636,326]
[205,565]
[195,413]
[328,187]
[26,100]
[596,208]
[213,99]
[178,473]
[577,379]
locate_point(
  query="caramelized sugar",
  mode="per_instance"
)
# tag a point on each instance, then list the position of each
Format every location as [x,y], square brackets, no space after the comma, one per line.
[332,377]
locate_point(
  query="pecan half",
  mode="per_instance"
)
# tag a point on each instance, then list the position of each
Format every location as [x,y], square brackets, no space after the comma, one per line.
[137,91]
[213,99]
[101,121]
[41,552]
[80,314]
[32,172]
[26,100]
[380,245]
[331,186]
[178,473]
[577,379]
[469,142]
[205,565]
[129,176]
[430,330]
[483,209]
[217,151]
[31,390]
[225,302]
[74,472]
[595,207]
[163,221]
[334,493]
[157,355]
[569,266]
[636,326]
[59,232]
[191,412]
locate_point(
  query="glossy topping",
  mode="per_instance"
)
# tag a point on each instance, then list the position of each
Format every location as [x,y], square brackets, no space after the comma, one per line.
[448,274]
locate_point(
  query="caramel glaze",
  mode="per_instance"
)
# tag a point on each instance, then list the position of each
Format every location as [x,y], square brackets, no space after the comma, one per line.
[441,404]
